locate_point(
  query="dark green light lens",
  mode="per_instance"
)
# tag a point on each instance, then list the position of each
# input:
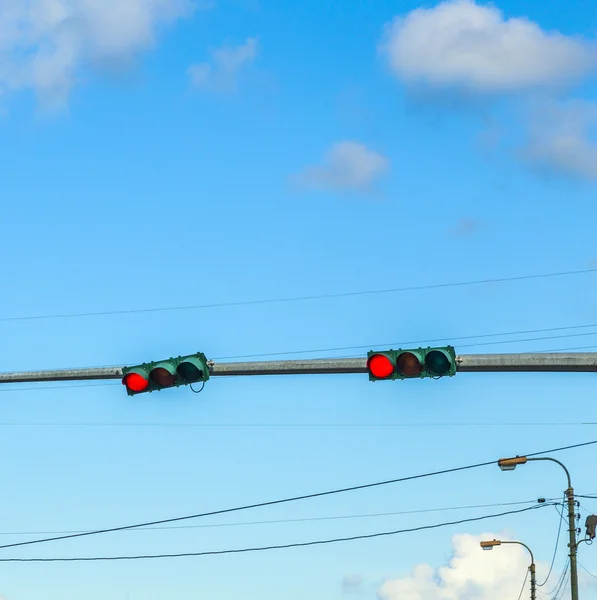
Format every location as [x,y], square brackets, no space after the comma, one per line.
[437,363]
[189,372]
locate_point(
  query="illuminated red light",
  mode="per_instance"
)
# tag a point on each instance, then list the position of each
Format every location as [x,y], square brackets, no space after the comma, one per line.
[135,382]
[380,366]
[409,365]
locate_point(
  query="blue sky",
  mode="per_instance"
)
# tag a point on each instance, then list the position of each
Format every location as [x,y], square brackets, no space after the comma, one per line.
[161,154]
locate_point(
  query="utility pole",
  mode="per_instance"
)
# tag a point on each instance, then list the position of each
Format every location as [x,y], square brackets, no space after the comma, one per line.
[572,543]
[509,464]
[537,362]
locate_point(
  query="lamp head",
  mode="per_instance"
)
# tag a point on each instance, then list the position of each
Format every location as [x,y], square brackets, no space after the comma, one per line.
[509,464]
[489,545]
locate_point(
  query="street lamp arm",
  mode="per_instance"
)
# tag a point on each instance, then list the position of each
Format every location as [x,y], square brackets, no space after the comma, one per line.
[521,544]
[559,463]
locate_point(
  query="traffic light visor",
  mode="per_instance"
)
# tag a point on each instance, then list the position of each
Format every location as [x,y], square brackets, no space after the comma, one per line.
[438,363]
[163,374]
[190,370]
[380,366]
[409,365]
[136,381]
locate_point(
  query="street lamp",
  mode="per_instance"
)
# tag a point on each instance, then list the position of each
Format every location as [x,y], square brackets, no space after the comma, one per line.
[509,464]
[490,545]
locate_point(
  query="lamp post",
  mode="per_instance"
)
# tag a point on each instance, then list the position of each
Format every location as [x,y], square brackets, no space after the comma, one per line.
[489,545]
[509,464]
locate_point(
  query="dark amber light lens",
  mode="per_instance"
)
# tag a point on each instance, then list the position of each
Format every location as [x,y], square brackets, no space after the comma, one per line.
[163,377]
[380,366]
[409,365]
[135,382]
[437,363]
[189,373]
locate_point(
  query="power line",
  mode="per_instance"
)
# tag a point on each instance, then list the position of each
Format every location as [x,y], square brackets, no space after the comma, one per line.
[250,506]
[587,570]
[428,341]
[301,520]
[280,546]
[560,592]
[285,500]
[297,298]
[294,425]
[555,550]
[523,584]
[560,581]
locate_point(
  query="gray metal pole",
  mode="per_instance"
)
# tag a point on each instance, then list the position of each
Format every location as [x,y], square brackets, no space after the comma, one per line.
[466,363]
[531,568]
[572,544]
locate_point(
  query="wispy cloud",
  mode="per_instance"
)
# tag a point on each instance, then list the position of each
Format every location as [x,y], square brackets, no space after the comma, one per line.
[462,54]
[562,138]
[347,166]
[221,73]
[45,45]
[352,584]
[466,227]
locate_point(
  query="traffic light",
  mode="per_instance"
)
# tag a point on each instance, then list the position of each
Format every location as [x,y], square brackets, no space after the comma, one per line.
[408,364]
[168,373]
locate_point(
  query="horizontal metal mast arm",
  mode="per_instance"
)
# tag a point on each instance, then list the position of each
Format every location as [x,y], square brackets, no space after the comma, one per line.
[62,375]
[564,362]
[467,363]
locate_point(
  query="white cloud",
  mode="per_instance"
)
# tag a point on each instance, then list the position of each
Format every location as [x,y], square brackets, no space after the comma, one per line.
[352,584]
[463,45]
[563,138]
[471,573]
[222,72]
[44,44]
[347,165]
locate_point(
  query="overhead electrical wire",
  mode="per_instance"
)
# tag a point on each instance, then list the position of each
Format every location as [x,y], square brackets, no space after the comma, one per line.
[250,506]
[301,520]
[427,341]
[287,500]
[278,546]
[523,584]
[298,425]
[561,578]
[586,570]
[560,593]
[296,298]
[555,550]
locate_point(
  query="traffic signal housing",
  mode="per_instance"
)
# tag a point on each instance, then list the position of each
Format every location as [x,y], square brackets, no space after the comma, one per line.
[168,373]
[410,364]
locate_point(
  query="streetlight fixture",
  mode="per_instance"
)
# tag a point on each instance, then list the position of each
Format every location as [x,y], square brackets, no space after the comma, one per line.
[491,544]
[509,464]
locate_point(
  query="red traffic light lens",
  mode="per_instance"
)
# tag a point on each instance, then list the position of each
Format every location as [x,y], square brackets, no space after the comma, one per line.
[380,366]
[135,382]
[409,365]
[163,377]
